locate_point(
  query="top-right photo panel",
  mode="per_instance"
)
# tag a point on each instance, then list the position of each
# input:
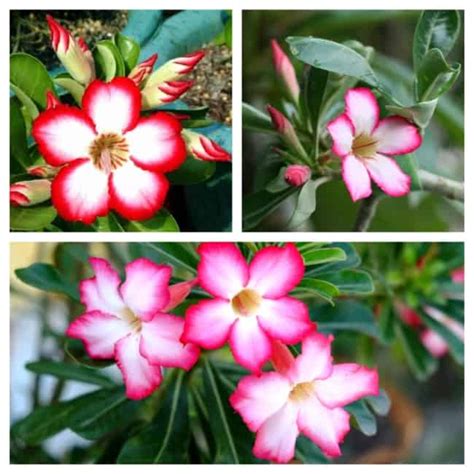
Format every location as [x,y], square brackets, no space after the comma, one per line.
[353,120]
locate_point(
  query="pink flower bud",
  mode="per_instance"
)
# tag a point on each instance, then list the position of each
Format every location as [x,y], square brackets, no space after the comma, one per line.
[73,54]
[43,171]
[164,93]
[141,71]
[297,175]
[457,275]
[29,193]
[51,100]
[179,292]
[204,148]
[409,315]
[285,71]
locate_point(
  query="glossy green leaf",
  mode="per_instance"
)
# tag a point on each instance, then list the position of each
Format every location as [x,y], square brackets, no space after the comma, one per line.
[345,315]
[192,171]
[253,119]
[362,418]
[352,260]
[108,60]
[65,371]
[387,323]
[31,218]
[380,404]
[308,453]
[129,50]
[350,281]
[166,439]
[19,156]
[108,223]
[436,29]
[321,288]
[70,85]
[420,113]
[162,222]
[319,256]
[47,278]
[31,77]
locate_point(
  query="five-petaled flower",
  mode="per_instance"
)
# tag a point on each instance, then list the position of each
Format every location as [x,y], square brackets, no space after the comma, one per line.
[365,143]
[305,395]
[250,307]
[129,323]
[111,157]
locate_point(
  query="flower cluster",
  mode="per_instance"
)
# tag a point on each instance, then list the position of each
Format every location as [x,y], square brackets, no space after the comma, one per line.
[251,310]
[106,155]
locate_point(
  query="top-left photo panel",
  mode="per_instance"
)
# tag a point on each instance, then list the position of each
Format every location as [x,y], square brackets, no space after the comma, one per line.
[120,120]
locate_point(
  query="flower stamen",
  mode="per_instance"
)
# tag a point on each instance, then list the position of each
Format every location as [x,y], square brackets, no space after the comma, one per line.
[364,146]
[246,303]
[134,322]
[302,391]
[109,151]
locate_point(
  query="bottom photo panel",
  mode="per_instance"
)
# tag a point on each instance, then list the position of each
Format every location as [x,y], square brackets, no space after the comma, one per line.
[247,352]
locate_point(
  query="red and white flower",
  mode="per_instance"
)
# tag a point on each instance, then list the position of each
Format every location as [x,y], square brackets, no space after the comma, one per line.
[111,158]
[305,395]
[29,193]
[251,306]
[364,142]
[73,54]
[204,148]
[285,71]
[129,322]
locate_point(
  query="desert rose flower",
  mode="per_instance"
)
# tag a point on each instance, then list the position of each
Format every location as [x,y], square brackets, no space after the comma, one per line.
[297,175]
[285,71]
[29,193]
[364,142]
[154,96]
[204,148]
[250,305]
[141,71]
[111,158]
[305,395]
[128,322]
[73,54]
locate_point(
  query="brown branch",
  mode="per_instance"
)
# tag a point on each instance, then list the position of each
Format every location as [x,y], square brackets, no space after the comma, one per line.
[366,213]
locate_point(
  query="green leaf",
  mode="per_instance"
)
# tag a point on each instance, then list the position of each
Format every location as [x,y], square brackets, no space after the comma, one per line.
[352,260]
[162,222]
[321,288]
[345,315]
[260,204]
[65,371]
[420,113]
[422,363]
[333,57]
[47,278]
[30,76]
[108,223]
[253,119]
[380,404]
[435,76]
[409,164]
[387,323]
[70,85]
[362,417]
[108,60]
[324,255]
[308,453]
[166,439]
[19,156]
[129,49]
[192,171]
[436,29]
[350,281]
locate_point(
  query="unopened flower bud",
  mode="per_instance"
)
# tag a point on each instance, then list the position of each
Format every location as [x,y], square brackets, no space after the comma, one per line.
[43,171]
[285,71]
[29,193]
[140,72]
[297,175]
[204,148]
[51,100]
[164,93]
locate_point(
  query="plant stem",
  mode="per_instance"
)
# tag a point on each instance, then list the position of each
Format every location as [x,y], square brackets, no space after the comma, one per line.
[444,186]
[366,213]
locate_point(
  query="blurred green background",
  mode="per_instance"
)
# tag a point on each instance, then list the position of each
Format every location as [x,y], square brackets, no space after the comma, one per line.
[390,33]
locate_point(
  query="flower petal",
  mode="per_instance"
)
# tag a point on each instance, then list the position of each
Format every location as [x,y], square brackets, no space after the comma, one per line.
[274,271]
[63,134]
[388,175]
[324,426]
[276,438]
[155,143]
[145,290]
[286,319]
[362,109]
[315,360]
[101,292]
[249,344]
[141,378]
[434,343]
[256,398]
[113,106]
[160,343]
[80,192]
[396,136]
[222,270]
[342,134]
[346,384]
[137,194]
[99,332]
[356,178]
[208,323]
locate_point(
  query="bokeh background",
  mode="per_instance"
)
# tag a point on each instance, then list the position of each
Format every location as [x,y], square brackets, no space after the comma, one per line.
[390,33]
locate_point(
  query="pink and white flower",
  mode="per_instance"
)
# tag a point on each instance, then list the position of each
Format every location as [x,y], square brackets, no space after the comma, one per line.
[129,322]
[73,54]
[203,148]
[285,71]
[365,144]
[250,305]
[297,175]
[111,158]
[305,395]
[29,193]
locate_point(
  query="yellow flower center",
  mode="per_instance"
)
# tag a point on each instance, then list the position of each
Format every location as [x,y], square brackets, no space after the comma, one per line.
[302,391]
[131,318]
[109,151]
[364,146]
[246,302]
